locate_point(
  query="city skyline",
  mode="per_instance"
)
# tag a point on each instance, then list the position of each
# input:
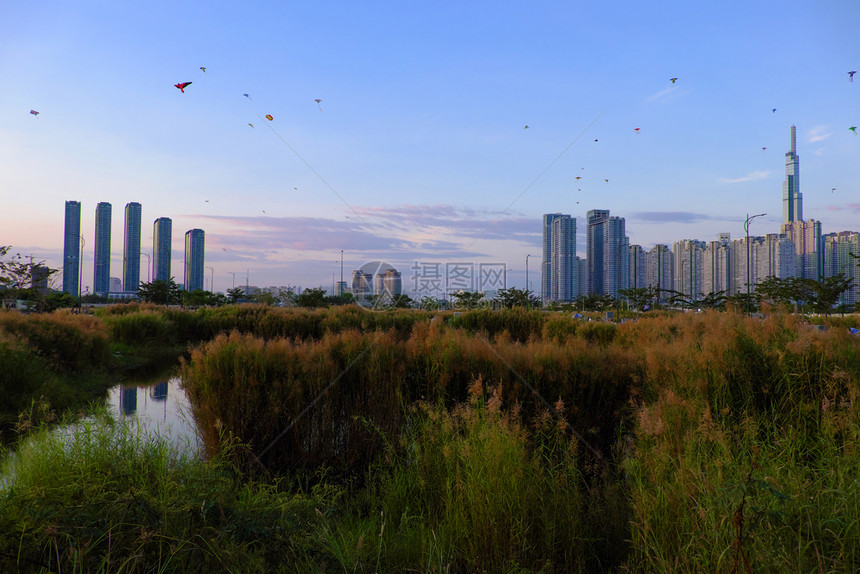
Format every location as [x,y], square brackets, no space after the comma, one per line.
[418,148]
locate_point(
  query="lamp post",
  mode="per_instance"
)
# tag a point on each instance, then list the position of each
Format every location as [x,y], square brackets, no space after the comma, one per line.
[747,230]
[81,269]
[148,266]
[527,273]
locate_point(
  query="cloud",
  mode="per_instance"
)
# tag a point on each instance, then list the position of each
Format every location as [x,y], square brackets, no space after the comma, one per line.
[852,207]
[669,216]
[818,134]
[752,176]
[404,230]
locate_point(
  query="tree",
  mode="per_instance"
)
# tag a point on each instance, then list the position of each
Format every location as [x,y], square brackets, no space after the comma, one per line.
[160,292]
[235,294]
[17,277]
[714,300]
[313,297]
[429,303]
[513,297]
[825,293]
[638,297]
[468,299]
[200,297]
[594,302]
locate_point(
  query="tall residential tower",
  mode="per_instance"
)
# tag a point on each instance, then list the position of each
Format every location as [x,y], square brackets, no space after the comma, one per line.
[131,247]
[72,249]
[101,259]
[162,236]
[194,268]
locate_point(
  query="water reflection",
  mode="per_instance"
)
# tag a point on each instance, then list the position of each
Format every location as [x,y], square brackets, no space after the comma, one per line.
[157,408]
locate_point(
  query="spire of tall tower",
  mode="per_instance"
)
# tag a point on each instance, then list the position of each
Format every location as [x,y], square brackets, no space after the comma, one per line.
[792,199]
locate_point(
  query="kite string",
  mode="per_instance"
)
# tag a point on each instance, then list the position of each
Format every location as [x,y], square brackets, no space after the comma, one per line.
[535,180]
[268,123]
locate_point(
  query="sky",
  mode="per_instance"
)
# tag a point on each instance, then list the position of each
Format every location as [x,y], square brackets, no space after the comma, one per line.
[417,153]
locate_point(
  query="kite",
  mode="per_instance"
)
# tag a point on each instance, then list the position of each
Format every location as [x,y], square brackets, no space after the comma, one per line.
[35,113]
[763,148]
[318,103]
[673,80]
[252,125]
[579,177]
[203,68]
[853,129]
[636,130]
[525,127]
[832,189]
[247,96]
[773,111]
[851,75]
[594,140]
[269,117]
[606,180]
[182,86]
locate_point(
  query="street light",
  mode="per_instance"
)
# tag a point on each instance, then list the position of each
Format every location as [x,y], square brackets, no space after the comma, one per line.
[747,230]
[527,273]
[148,266]
[81,269]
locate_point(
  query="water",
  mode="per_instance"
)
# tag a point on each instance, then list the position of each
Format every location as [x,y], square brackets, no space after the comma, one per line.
[153,406]
[157,408]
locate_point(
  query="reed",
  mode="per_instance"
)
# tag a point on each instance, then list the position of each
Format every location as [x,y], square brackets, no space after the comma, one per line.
[68,343]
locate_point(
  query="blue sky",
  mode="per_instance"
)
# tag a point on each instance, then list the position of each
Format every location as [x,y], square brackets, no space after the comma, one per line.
[418,150]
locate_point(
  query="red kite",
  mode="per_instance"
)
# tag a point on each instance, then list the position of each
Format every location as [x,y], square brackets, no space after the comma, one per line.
[182,86]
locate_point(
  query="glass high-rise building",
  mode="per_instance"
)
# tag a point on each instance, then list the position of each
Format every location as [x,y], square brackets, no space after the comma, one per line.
[72,249]
[546,258]
[792,200]
[563,265]
[101,259]
[194,265]
[131,247]
[162,236]
[608,253]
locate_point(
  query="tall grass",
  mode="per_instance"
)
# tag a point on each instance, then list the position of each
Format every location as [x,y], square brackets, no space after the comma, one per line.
[300,401]
[106,499]
[68,343]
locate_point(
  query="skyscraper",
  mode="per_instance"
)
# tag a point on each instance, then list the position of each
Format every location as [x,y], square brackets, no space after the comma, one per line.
[792,200]
[546,258]
[660,266]
[637,274]
[717,266]
[194,263]
[131,247]
[608,253]
[809,257]
[838,248]
[563,267]
[72,249]
[162,236]
[689,262]
[101,258]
